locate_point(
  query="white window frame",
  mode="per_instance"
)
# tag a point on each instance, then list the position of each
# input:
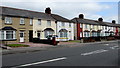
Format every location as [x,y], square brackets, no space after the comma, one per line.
[22,21]
[62,24]
[5,35]
[39,22]
[48,22]
[8,20]
[70,24]
[81,25]
[31,21]
[86,26]
[80,34]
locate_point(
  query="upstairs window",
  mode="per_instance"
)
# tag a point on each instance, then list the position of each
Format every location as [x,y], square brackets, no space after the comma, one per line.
[48,22]
[63,24]
[86,26]
[80,25]
[39,22]
[8,20]
[22,21]
[106,27]
[69,24]
[93,26]
[31,21]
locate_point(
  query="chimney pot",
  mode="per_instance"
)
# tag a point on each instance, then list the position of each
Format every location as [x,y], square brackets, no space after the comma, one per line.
[48,10]
[81,16]
[100,19]
[113,21]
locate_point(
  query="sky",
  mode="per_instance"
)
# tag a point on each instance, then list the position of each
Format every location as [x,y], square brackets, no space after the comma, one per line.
[92,9]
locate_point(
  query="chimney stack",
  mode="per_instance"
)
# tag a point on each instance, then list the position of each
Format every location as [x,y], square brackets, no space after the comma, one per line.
[81,16]
[113,21]
[48,10]
[100,19]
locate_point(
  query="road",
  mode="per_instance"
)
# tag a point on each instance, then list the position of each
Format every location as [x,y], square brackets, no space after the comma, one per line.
[92,54]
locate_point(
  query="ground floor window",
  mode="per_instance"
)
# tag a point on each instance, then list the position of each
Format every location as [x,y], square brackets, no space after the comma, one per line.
[7,35]
[98,34]
[63,33]
[101,34]
[48,33]
[80,34]
[94,34]
[86,34]
[106,34]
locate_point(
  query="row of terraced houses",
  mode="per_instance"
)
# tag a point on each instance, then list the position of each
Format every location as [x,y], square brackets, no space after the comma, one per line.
[19,25]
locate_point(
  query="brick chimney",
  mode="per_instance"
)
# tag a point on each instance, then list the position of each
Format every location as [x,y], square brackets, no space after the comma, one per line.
[113,21]
[81,16]
[48,10]
[100,19]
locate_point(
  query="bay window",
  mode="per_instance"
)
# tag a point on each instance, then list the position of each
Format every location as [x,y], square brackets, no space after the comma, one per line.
[63,33]
[48,33]
[7,35]
[94,34]
[86,34]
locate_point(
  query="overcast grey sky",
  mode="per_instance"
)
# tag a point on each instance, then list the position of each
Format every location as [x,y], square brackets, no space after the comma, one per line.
[92,9]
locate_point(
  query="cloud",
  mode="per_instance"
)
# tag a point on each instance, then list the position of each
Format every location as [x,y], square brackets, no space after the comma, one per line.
[60,0]
[66,9]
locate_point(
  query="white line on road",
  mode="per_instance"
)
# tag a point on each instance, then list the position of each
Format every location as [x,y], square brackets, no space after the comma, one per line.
[115,47]
[106,44]
[57,59]
[94,52]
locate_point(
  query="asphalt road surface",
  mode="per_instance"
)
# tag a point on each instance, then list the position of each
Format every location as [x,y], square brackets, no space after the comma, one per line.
[92,54]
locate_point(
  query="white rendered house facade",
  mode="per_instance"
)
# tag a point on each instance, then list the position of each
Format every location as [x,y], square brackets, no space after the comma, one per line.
[65,31]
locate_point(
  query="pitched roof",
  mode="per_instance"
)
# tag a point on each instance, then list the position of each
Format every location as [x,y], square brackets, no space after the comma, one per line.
[8,11]
[60,18]
[94,22]
[24,13]
[84,21]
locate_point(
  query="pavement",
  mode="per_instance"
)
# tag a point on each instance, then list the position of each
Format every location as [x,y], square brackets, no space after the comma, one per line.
[42,47]
[83,54]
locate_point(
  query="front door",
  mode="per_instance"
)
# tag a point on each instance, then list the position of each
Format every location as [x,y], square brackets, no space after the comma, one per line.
[21,36]
[30,36]
[38,34]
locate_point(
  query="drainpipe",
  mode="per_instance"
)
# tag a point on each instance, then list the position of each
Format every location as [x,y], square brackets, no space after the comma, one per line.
[56,27]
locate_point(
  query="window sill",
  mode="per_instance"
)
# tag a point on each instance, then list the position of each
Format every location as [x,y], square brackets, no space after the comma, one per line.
[8,23]
[22,24]
[8,39]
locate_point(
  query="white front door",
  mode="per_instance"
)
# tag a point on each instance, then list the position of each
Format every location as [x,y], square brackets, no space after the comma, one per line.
[21,36]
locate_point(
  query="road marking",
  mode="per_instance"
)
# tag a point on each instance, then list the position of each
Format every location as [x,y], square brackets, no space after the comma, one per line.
[106,44]
[114,47]
[63,58]
[94,52]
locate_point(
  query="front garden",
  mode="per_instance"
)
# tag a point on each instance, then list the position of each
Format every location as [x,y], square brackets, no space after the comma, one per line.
[17,45]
